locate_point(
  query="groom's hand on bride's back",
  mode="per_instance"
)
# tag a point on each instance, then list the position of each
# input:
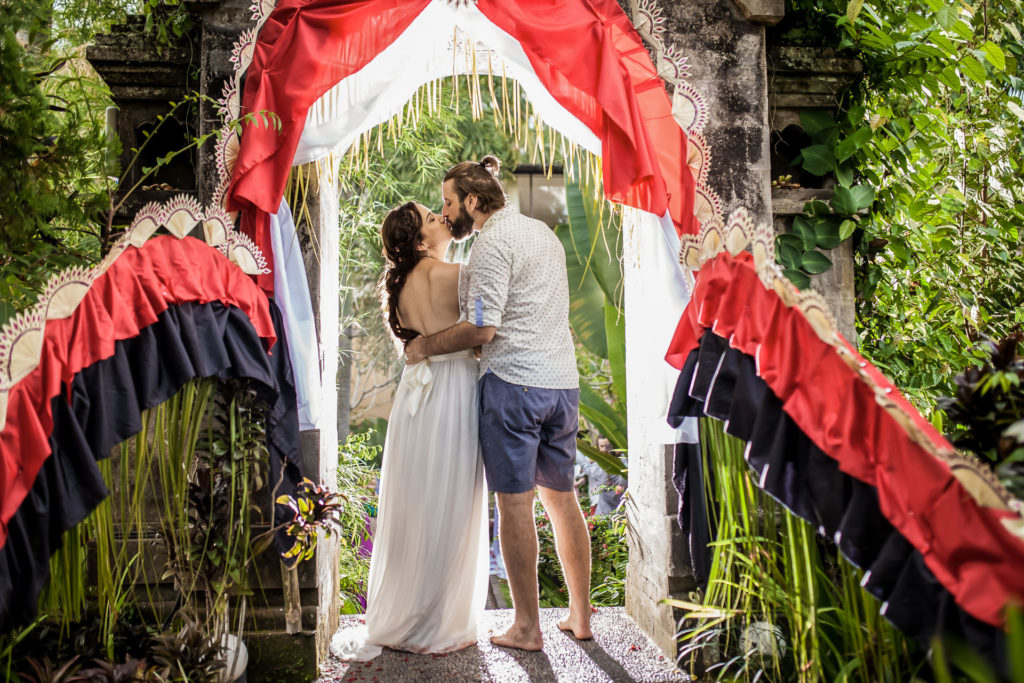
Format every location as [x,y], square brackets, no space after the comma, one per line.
[414,350]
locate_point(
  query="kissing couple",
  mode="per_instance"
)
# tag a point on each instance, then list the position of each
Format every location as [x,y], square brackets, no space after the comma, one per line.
[509,411]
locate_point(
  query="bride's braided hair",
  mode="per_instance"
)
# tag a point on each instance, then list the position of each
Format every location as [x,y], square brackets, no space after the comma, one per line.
[400,235]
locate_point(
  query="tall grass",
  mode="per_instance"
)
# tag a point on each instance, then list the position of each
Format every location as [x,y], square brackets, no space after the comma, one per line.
[181,507]
[781,603]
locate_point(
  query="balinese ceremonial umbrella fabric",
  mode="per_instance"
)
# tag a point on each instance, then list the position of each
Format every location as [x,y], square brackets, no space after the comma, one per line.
[586,54]
[160,315]
[821,443]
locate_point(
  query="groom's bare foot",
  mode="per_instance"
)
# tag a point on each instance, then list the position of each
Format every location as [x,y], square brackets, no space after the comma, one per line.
[578,627]
[521,639]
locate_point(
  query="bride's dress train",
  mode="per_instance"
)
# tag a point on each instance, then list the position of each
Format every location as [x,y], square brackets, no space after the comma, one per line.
[428,570]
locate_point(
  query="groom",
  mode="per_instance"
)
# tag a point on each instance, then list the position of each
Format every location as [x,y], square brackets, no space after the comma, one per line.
[518,311]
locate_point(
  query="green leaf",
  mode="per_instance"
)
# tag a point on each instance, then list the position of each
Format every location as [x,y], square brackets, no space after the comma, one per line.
[578,228]
[994,55]
[596,237]
[609,462]
[827,232]
[852,143]
[803,227]
[848,201]
[844,174]
[846,229]
[853,9]
[816,121]
[818,159]
[789,256]
[815,262]
[615,332]
[586,300]
[973,69]
[797,277]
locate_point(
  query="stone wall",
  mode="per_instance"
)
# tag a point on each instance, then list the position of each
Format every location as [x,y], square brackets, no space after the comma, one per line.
[726,54]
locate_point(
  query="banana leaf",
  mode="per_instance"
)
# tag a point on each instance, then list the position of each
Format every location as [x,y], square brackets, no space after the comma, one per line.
[596,234]
[609,421]
[615,332]
[586,300]
[609,462]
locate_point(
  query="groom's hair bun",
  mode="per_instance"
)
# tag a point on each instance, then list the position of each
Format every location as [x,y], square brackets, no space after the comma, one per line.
[479,178]
[492,164]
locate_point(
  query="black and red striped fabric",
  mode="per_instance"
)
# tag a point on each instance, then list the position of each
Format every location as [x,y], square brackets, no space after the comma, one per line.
[161,315]
[820,443]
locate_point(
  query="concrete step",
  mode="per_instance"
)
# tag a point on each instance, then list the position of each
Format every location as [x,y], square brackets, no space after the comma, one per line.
[618,652]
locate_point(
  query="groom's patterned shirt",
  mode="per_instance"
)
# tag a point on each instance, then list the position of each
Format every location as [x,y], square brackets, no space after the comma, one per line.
[516,282]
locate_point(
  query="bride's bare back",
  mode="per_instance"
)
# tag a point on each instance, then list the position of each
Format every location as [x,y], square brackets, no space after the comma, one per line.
[429,301]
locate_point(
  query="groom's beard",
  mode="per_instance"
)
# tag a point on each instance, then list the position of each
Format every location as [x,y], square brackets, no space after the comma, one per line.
[462,226]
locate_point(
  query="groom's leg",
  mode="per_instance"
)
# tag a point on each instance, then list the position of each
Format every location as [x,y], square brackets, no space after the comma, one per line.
[518,533]
[572,541]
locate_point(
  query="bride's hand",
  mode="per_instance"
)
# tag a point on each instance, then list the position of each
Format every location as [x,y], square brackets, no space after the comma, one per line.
[478,351]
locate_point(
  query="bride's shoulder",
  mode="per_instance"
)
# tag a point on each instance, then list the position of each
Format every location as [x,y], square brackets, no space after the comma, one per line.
[442,272]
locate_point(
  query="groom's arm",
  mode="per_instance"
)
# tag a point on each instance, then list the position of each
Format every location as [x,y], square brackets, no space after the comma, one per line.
[490,270]
[461,335]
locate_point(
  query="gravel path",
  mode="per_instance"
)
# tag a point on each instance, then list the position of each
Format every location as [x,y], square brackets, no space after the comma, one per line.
[619,652]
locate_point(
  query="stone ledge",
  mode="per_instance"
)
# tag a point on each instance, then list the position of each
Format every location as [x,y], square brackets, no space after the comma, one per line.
[768,12]
[791,202]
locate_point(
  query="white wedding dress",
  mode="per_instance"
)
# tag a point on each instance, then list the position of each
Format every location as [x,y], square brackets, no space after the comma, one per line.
[428,570]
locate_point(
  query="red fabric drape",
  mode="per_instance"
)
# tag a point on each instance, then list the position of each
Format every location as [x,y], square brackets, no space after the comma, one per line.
[129,296]
[585,52]
[591,59]
[964,544]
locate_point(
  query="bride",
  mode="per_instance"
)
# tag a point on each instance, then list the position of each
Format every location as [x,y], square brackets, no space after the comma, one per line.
[428,578]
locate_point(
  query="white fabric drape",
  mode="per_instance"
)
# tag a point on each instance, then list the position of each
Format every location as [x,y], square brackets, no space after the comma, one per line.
[655,296]
[430,48]
[291,293]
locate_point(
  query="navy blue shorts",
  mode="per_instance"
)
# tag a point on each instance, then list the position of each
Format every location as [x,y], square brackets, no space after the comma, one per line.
[527,435]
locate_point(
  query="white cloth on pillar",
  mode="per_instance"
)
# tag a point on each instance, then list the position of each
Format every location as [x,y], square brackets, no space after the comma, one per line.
[291,293]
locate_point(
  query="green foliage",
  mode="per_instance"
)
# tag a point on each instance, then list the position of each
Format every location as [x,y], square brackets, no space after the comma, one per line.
[167,20]
[52,154]
[823,225]
[344,510]
[934,129]
[188,656]
[186,484]
[608,557]
[358,472]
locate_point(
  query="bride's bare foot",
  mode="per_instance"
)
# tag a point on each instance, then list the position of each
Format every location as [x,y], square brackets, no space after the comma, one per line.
[520,639]
[580,628]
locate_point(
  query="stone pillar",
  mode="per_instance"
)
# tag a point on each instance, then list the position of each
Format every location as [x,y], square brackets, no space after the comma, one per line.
[726,54]
[809,78]
[329,606]
[728,67]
